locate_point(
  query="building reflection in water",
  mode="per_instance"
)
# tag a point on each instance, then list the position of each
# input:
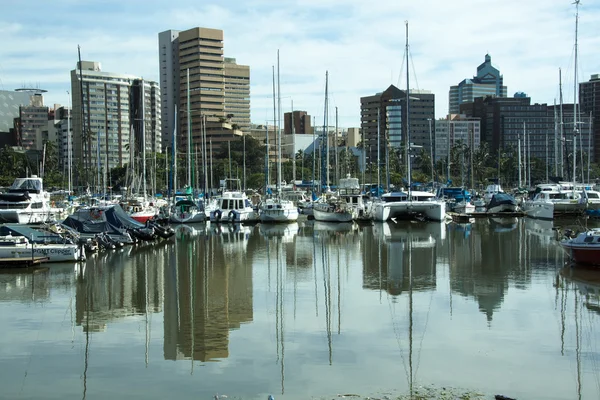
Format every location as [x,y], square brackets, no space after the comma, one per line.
[485,256]
[208,291]
[118,284]
[386,265]
[24,287]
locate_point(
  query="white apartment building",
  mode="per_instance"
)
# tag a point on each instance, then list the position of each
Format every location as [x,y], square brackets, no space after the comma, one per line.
[112,117]
[456,129]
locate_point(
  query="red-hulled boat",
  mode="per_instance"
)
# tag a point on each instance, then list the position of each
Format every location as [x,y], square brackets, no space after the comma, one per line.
[584,248]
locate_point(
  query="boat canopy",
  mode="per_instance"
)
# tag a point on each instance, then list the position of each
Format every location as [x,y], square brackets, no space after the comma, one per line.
[33,235]
[31,185]
[110,219]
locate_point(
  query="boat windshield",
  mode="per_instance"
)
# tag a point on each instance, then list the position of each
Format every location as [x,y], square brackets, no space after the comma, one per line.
[26,185]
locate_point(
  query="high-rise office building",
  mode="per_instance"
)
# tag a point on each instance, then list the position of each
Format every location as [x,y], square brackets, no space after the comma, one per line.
[589,100]
[237,93]
[301,121]
[383,118]
[111,117]
[505,121]
[219,88]
[456,129]
[487,82]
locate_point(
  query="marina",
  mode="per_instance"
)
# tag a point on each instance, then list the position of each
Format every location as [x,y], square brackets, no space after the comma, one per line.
[381,309]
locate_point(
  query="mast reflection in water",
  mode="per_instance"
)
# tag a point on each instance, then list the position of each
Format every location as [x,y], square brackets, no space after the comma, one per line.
[208,291]
[307,310]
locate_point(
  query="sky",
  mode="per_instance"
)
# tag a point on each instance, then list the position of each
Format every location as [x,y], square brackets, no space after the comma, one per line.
[360,43]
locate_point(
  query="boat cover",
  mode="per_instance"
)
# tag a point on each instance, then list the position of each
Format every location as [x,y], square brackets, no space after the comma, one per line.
[34,235]
[109,219]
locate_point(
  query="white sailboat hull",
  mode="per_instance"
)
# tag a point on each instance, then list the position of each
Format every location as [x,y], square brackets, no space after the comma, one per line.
[538,209]
[434,210]
[54,252]
[27,216]
[329,216]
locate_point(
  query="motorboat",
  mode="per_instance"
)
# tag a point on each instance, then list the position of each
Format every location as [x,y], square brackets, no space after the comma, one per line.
[501,202]
[332,208]
[403,205]
[584,248]
[567,200]
[350,191]
[277,209]
[233,205]
[539,207]
[490,191]
[186,211]
[18,241]
[26,202]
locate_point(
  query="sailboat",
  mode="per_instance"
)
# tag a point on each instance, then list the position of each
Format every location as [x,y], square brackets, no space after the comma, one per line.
[413,203]
[140,208]
[185,209]
[276,208]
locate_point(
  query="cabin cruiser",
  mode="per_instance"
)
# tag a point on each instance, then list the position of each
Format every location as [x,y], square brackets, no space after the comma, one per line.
[186,211]
[539,207]
[277,209]
[18,241]
[403,205]
[566,200]
[332,208]
[26,202]
[232,205]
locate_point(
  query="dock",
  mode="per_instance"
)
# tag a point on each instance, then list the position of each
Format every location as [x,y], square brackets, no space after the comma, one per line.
[21,262]
[465,217]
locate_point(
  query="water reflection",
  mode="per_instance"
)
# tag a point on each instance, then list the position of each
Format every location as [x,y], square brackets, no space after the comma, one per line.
[309,309]
[208,291]
[583,285]
[118,284]
[386,265]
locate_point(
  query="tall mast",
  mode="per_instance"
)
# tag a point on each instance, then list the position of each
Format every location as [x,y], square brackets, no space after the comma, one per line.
[143,138]
[555,140]
[335,148]
[189,131]
[408,119]
[562,132]
[278,128]
[378,148]
[293,146]
[576,2]
[519,153]
[325,142]
[274,121]
[69,145]
[174,155]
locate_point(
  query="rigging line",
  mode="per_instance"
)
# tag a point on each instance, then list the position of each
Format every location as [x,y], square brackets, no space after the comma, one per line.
[327,299]
[315,274]
[31,353]
[591,342]
[277,305]
[414,73]
[397,334]
[401,73]
[577,348]
[281,316]
[423,335]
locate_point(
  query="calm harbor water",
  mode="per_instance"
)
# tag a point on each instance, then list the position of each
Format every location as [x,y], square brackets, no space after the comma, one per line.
[308,310]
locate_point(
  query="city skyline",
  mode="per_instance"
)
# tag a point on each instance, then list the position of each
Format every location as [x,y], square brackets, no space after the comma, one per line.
[361,45]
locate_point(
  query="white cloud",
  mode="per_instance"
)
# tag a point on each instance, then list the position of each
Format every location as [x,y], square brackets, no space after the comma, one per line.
[360,43]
